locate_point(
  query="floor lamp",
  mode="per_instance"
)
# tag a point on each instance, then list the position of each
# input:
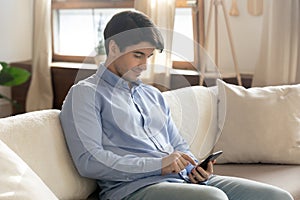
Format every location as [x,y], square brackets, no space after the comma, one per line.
[214,7]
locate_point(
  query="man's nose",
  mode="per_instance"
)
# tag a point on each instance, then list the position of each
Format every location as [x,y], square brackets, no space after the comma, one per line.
[143,64]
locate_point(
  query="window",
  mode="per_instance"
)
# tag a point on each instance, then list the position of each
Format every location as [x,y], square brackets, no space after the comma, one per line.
[183,28]
[77,31]
[78,28]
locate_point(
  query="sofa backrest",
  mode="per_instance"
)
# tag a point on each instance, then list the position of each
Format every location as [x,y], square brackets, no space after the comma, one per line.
[194,111]
[37,138]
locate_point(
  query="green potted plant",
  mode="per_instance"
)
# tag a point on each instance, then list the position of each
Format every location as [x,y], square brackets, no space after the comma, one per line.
[100,52]
[12,76]
[100,48]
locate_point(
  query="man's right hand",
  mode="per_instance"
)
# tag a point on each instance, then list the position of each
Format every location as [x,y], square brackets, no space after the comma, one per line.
[176,162]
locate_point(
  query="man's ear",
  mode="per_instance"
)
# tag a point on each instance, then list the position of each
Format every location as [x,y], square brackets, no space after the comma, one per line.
[113,48]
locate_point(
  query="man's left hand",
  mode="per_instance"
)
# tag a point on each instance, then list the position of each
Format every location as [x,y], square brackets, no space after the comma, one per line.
[198,174]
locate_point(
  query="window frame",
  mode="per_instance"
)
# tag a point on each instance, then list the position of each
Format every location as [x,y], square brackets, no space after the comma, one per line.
[198,26]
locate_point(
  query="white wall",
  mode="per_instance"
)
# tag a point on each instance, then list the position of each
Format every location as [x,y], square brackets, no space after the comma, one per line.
[16,22]
[246,30]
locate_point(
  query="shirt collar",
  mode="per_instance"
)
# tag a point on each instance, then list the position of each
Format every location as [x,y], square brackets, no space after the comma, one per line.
[114,80]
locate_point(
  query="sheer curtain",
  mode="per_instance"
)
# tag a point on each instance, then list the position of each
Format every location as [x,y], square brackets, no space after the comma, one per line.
[40,95]
[279,60]
[162,13]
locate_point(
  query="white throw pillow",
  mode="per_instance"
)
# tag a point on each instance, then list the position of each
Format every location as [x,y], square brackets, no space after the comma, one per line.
[261,124]
[37,137]
[18,181]
[194,112]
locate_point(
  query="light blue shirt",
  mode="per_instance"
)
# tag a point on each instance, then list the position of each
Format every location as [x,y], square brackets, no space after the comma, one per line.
[118,134]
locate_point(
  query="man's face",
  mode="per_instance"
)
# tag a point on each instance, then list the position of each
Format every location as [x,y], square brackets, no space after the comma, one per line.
[130,63]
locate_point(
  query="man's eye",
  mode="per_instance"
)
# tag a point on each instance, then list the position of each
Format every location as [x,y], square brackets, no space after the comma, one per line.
[137,55]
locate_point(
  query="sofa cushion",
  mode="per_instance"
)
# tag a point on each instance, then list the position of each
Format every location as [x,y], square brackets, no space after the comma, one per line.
[261,124]
[194,112]
[38,139]
[286,177]
[17,180]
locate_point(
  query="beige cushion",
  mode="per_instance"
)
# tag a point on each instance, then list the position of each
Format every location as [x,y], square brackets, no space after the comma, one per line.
[38,139]
[18,181]
[261,124]
[194,112]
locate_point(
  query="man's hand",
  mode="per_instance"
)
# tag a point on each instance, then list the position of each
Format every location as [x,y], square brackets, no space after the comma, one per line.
[198,174]
[175,162]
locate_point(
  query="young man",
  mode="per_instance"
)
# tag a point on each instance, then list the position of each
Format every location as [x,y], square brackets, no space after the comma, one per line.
[120,132]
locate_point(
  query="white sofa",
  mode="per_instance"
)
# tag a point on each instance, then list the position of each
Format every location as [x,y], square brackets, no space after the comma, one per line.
[35,162]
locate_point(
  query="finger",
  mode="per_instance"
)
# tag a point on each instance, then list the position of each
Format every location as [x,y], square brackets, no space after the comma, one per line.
[175,167]
[183,161]
[180,163]
[210,168]
[168,160]
[172,169]
[196,175]
[201,174]
[192,178]
[188,158]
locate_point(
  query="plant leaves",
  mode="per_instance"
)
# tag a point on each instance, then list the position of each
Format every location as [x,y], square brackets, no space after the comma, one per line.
[5,78]
[12,76]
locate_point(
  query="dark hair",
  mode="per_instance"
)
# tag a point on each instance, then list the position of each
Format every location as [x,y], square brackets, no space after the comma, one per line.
[129,28]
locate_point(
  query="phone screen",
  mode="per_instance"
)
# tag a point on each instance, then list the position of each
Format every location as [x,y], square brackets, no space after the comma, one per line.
[211,157]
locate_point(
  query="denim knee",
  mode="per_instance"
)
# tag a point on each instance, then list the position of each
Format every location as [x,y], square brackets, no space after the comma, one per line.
[280,195]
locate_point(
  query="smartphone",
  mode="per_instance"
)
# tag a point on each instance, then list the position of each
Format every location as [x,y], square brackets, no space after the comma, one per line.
[211,157]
